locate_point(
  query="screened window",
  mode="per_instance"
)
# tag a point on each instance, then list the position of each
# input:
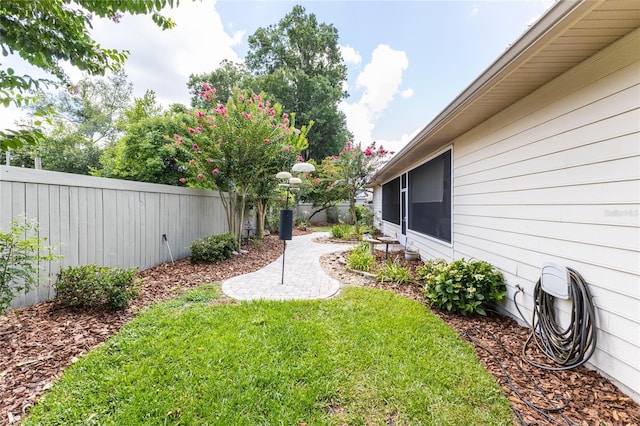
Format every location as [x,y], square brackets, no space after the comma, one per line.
[391,201]
[430,198]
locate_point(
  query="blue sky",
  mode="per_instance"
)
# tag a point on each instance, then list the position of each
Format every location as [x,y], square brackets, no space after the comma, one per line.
[407,60]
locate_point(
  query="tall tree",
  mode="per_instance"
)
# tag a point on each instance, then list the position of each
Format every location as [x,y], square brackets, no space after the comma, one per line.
[228,77]
[93,107]
[298,62]
[48,32]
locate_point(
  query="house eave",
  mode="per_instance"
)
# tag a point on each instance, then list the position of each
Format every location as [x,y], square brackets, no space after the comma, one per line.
[539,52]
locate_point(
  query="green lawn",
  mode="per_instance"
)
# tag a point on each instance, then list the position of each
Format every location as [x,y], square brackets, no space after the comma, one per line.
[326,228]
[367,357]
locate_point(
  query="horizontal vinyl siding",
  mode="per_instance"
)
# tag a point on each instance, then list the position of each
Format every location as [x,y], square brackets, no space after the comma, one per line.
[556,177]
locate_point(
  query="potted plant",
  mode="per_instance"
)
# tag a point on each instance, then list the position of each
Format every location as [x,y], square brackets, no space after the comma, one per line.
[411,253]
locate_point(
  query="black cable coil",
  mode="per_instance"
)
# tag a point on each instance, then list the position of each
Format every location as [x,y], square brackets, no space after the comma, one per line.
[568,347]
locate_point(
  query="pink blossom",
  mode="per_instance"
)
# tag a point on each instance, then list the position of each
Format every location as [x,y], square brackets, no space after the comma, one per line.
[317,181]
[285,115]
[368,152]
[209,160]
[192,162]
[195,146]
[265,140]
[199,129]
[182,180]
[241,98]
[215,171]
[191,130]
[200,114]
[300,158]
[200,176]
[272,112]
[256,97]
[205,86]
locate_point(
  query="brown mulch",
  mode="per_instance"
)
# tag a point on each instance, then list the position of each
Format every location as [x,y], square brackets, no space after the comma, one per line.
[37,342]
[574,397]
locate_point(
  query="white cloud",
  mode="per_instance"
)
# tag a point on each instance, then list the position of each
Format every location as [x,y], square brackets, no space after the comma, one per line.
[396,145]
[163,60]
[406,94]
[350,55]
[380,81]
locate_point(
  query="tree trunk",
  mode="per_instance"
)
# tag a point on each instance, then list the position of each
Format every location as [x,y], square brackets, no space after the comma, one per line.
[261,210]
[354,216]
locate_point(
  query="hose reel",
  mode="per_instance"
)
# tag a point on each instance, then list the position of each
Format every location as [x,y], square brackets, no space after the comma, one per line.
[569,346]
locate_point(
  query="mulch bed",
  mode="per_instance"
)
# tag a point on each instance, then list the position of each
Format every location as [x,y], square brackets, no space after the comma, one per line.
[37,342]
[538,397]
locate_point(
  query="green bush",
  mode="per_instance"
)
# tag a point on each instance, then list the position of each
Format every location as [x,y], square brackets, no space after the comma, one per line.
[360,258]
[364,215]
[21,250]
[91,285]
[212,248]
[461,286]
[395,273]
[342,231]
[302,223]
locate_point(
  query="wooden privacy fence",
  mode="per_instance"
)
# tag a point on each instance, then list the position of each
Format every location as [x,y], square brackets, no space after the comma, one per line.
[107,222]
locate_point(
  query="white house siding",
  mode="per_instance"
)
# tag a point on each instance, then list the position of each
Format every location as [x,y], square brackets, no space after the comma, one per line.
[377,208]
[556,177]
[107,222]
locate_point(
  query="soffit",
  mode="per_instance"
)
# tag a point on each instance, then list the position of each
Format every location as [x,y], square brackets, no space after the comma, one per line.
[566,35]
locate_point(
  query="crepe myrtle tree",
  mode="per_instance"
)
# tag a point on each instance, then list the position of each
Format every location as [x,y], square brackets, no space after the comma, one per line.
[350,171]
[237,148]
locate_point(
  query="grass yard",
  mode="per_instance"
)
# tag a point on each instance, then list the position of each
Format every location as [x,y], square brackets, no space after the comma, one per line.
[367,357]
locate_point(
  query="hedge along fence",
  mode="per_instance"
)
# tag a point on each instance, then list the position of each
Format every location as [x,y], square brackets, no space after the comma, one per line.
[107,222]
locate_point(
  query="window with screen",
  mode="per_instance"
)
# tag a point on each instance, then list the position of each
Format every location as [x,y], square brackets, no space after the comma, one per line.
[391,201]
[430,198]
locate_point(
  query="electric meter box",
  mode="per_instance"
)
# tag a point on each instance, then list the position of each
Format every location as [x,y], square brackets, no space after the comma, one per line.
[555,280]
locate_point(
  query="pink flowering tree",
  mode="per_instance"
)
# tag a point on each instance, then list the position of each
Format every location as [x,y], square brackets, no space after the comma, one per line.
[344,175]
[237,148]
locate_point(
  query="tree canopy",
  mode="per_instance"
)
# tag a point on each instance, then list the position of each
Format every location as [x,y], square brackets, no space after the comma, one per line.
[299,64]
[47,33]
[238,147]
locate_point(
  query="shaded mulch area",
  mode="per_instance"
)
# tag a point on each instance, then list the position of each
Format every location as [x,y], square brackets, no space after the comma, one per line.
[37,342]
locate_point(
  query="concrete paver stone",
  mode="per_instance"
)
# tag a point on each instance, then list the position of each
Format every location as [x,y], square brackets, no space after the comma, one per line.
[304,278]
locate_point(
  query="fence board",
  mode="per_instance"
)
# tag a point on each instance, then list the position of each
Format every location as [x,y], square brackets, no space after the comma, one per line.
[108,222]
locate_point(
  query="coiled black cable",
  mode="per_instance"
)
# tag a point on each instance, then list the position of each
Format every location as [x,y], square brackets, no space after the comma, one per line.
[567,347]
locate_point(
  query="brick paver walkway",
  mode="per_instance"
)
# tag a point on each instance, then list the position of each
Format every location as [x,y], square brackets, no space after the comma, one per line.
[304,278]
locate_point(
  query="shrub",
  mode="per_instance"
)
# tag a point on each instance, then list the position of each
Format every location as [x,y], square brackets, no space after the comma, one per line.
[364,215]
[91,285]
[212,248]
[360,258]
[461,286]
[20,253]
[395,273]
[302,223]
[342,231]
